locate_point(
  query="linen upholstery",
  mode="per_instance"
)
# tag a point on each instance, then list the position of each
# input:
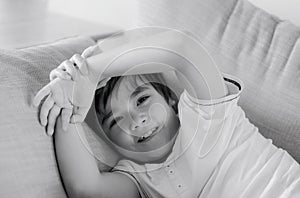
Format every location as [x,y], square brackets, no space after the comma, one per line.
[28,167]
[244,41]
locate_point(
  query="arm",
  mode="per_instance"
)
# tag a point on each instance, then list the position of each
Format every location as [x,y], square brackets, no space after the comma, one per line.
[86,179]
[79,169]
[175,51]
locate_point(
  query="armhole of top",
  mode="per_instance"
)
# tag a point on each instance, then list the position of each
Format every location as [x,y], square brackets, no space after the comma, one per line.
[142,193]
[234,85]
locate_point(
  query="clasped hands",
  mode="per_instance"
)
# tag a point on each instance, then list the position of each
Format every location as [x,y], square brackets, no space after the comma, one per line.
[69,93]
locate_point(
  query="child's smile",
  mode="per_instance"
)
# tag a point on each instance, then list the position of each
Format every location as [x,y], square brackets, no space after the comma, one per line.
[149,135]
[139,119]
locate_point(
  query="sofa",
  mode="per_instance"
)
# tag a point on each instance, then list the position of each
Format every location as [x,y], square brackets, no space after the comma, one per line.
[245,41]
[257,47]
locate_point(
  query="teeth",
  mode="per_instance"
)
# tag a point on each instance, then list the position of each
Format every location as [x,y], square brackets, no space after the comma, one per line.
[147,134]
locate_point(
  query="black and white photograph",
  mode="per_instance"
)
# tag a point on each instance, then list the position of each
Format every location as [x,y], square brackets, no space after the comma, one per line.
[150,99]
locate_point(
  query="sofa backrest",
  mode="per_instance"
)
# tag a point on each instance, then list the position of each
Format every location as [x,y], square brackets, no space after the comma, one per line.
[260,49]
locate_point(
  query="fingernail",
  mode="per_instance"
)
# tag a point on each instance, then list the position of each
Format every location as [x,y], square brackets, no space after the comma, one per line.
[43,122]
[64,127]
[50,132]
[33,104]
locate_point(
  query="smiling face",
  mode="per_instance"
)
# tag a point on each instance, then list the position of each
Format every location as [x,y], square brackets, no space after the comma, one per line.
[138,118]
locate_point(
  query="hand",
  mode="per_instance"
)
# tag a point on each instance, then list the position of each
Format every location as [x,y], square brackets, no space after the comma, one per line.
[57,101]
[65,96]
[67,70]
[85,86]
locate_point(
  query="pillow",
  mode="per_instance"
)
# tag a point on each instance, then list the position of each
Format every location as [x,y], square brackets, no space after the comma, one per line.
[251,44]
[28,166]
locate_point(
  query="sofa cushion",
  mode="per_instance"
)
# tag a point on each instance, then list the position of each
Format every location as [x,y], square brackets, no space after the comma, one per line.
[28,167]
[251,44]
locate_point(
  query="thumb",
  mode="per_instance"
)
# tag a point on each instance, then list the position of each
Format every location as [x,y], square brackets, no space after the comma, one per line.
[90,51]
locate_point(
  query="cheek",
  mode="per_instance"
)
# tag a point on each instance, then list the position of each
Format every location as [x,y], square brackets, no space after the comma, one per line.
[158,111]
[120,137]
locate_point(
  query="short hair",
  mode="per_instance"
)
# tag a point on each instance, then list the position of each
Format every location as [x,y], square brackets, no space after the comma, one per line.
[156,80]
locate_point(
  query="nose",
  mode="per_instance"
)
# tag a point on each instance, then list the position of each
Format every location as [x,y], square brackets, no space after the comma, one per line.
[139,120]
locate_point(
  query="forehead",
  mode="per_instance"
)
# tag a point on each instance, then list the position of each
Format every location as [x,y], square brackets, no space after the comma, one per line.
[126,88]
[129,85]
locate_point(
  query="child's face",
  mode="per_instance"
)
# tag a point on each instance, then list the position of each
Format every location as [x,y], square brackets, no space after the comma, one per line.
[138,118]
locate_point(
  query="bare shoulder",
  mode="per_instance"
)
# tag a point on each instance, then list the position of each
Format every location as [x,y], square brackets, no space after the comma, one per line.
[114,184]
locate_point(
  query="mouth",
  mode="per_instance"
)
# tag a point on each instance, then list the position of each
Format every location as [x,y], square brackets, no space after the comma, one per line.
[149,135]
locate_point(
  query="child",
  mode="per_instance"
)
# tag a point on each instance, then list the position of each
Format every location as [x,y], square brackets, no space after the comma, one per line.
[201,145]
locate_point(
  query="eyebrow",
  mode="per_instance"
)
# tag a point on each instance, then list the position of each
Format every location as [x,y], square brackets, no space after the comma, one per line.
[134,94]
[106,117]
[138,90]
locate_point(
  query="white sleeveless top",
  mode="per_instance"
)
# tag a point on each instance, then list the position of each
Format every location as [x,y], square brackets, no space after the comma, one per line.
[218,153]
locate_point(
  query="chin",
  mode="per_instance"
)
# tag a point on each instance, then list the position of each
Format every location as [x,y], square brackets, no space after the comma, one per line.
[158,155]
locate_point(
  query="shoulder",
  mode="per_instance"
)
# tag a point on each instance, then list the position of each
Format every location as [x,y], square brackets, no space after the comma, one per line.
[128,169]
[190,105]
[234,85]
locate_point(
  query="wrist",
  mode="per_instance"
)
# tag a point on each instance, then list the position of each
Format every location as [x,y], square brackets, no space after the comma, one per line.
[93,78]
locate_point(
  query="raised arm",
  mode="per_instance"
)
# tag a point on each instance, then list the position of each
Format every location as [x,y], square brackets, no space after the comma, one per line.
[196,71]
[174,51]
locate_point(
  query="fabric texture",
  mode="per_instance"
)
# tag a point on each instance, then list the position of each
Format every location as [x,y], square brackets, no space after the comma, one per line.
[217,153]
[245,41]
[28,167]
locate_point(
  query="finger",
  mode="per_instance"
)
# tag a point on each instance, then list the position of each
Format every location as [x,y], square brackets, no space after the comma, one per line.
[60,74]
[66,117]
[46,106]
[54,113]
[41,94]
[79,114]
[68,66]
[77,119]
[62,65]
[103,82]
[81,63]
[90,51]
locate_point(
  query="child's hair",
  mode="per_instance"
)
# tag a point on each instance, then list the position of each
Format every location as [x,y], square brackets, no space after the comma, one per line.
[156,80]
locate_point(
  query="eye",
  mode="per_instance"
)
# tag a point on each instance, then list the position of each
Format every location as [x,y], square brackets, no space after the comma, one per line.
[141,100]
[115,121]
[112,123]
